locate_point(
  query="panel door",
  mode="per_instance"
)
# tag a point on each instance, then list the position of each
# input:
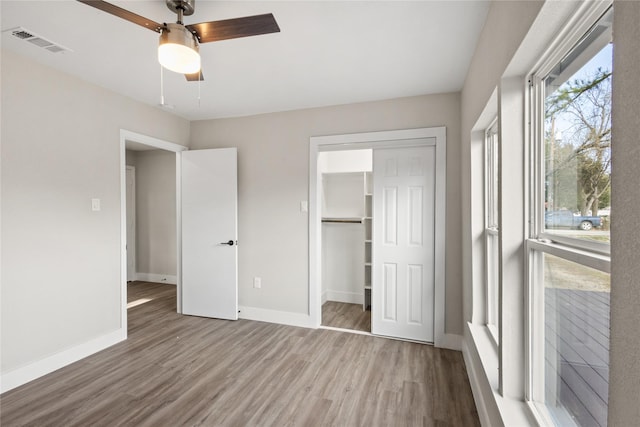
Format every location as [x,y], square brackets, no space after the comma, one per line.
[403,242]
[209,197]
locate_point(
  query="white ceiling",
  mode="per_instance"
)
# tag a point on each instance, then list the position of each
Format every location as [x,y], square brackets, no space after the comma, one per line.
[327,53]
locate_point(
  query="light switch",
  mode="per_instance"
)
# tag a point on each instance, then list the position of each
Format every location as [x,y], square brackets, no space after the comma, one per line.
[95,204]
[304,206]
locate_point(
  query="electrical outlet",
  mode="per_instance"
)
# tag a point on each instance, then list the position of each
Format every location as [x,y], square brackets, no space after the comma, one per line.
[257,282]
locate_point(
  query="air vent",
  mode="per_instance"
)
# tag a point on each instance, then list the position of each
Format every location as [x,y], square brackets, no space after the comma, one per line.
[37,40]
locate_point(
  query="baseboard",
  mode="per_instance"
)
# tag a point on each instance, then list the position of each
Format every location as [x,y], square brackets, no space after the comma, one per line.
[347,297]
[275,316]
[450,341]
[157,278]
[30,372]
[324,297]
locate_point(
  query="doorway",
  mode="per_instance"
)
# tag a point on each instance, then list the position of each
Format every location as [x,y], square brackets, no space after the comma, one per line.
[141,143]
[345,188]
[381,287]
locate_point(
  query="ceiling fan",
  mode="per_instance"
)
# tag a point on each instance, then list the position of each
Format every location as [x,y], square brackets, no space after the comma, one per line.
[178,49]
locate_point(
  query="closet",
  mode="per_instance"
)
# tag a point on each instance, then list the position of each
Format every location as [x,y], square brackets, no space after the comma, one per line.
[346,227]
[377,231]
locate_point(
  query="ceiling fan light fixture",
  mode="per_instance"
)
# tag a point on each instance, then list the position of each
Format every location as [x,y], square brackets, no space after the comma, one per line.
[178,50]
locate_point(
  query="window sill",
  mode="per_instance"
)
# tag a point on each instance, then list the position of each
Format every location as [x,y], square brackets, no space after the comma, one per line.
[485,382]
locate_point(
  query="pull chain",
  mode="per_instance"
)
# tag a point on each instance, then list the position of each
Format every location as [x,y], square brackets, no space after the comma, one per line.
[162,86]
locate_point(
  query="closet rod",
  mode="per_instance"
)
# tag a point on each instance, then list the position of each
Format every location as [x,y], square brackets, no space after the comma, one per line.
[342,221]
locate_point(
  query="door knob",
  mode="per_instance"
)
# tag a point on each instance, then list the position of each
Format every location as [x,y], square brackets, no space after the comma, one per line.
[230,243]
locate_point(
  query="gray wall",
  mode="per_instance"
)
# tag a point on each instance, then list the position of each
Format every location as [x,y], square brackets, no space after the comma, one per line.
[624,381]
[156,212]
[273,177]
[130,157]
[61,261]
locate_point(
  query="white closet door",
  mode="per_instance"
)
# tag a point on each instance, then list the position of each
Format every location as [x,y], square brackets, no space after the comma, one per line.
[403,242]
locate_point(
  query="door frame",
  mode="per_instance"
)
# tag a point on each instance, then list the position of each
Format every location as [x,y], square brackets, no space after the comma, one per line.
[131,249]
[383,139]
[138,138]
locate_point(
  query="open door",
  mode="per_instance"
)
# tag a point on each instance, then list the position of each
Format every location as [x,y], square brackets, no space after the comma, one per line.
[209,233]
[403,239]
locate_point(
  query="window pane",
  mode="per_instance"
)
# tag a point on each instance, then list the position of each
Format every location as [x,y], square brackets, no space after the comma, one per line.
[492,165]
[576,329]
[577,142]
[493,317]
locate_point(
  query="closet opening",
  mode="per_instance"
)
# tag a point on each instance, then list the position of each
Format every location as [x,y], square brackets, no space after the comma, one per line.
[346,228]
[406,177]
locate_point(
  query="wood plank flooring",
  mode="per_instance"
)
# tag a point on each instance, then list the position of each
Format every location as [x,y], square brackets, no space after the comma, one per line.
[181,370]
[346,316]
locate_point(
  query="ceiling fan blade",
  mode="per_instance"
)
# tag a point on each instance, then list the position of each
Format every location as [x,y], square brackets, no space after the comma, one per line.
[195,77]
[235,28]
[124,14]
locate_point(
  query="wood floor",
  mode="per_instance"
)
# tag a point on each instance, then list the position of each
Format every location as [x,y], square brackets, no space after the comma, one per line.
[180,370]
[346,316]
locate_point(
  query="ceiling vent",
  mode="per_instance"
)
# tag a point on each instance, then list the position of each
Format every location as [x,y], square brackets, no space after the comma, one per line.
[33,38]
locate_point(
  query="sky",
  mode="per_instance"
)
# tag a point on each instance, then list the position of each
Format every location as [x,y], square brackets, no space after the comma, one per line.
[603,60]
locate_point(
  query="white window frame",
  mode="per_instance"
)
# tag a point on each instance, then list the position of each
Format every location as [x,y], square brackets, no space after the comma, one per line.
[595,255]
[491,228]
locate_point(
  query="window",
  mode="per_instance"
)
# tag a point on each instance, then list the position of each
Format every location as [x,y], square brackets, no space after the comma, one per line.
[491,230]
[569,246]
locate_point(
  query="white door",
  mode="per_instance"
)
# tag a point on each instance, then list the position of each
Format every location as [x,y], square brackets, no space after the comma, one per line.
[209,233]
[131,222]
[403,242]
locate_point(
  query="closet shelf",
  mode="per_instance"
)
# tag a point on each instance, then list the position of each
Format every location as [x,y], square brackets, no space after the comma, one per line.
[367,286]
[343,220]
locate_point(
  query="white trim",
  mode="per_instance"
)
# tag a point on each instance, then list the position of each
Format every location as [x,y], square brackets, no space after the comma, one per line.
[342,296]
[373,137]
[126,135]
[123,234]
[394,138]
[30,372]
[131,251]
[167,279]
[585,15]
[275,316]
[179,233]
[483,378]
[351,331]
[588,259]
[474,381]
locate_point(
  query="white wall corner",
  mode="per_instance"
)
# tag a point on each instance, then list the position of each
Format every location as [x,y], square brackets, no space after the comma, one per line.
[17,377]
[343,296]
[275,316]
[450,342]
[157,278]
